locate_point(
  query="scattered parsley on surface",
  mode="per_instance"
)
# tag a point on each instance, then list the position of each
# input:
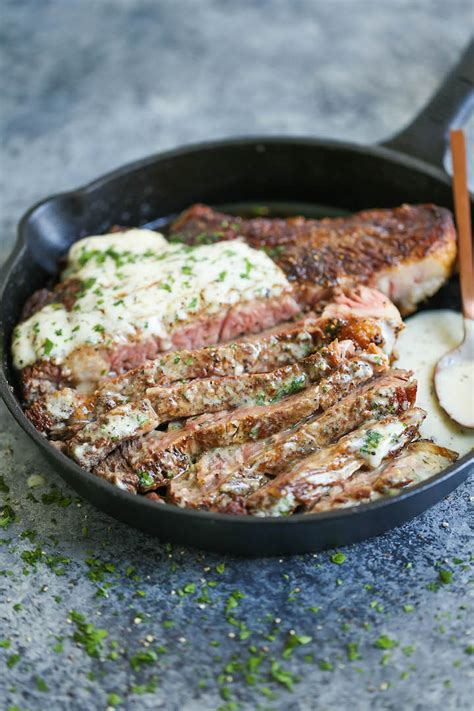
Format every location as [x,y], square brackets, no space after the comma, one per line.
[384,642]
[445,576]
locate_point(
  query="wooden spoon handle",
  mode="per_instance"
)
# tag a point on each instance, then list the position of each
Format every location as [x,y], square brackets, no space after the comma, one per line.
[463,221]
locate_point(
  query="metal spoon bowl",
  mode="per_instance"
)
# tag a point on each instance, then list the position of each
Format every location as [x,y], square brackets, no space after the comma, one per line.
[454,379]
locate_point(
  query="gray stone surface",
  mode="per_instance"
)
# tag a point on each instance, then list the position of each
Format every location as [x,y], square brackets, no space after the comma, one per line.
[88,86]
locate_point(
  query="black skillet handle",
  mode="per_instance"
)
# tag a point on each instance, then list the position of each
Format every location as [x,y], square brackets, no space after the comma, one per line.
[427,136]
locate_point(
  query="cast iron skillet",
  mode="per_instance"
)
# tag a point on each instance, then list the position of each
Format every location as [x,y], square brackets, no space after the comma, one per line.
[407,168]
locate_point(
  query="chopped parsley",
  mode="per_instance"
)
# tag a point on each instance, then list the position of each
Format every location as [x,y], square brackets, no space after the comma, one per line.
[283,677]
[248,269]
[445,576]
[7,516]
[371,442]
[324,665]
[275,251]
[294,641]
[41,684]
[87,635]
[384,642]
[353,651]
[145,478]
[143,657]
[12,660]
[48,346]
[294,386]
[88,283]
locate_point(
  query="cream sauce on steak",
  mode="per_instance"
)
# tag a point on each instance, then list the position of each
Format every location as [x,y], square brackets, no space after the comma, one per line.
[137,284]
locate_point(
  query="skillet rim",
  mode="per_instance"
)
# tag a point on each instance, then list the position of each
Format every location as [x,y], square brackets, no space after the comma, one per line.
[379,150]
[13,404]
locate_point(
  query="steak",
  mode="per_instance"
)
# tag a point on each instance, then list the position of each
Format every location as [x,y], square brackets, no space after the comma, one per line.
[240,472]
[121,424]
[209,395]
[416,463]
[60,412]
[247,377]
[406,252]
[301,486]
[151,461]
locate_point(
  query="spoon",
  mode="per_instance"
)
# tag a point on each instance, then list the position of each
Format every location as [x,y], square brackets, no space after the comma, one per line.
[454,374]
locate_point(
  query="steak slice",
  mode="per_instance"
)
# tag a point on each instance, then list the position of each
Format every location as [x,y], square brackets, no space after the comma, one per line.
[121,424]
[158,457]
[240,473]
[416,463]
[407,252]
[214,394]
[308,480]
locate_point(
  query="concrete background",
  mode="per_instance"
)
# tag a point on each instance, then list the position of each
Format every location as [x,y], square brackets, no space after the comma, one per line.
[87,86]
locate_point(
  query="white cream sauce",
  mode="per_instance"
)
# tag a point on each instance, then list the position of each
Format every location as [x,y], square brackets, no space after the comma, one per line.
[427,337]
[450,382]
[136,284]
[378,442]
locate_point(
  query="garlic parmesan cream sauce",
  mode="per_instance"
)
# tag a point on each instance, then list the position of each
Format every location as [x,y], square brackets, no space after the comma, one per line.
[428,336]
[136,283]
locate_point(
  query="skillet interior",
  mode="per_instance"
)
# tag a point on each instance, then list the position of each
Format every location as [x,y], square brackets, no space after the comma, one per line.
[288,174]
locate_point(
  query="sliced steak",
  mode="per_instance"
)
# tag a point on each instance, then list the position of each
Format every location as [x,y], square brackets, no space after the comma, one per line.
[407,252]
[63,409]
[308,480]
[262,353]
[157,458]
[391,393]
[214,394]
[416,463]
[119,425]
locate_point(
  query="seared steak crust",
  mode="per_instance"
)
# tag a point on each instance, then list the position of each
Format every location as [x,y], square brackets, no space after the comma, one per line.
[389,394]
[375,247]
[62,293]
[363,316]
